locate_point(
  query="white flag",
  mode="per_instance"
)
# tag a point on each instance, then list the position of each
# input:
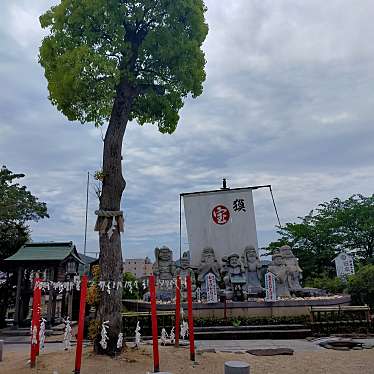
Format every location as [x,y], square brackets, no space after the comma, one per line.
[223,220]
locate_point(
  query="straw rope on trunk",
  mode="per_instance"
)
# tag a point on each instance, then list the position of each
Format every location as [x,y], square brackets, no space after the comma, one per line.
[105,218]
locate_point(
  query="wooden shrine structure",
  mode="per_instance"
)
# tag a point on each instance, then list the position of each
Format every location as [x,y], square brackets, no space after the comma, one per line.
[54,262]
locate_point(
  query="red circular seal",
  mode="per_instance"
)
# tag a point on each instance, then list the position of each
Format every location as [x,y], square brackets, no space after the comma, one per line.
[220,215]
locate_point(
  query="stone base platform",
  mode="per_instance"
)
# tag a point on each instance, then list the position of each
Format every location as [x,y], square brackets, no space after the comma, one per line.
[258,308]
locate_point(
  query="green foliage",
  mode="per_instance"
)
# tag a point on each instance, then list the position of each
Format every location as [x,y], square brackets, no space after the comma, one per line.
[236,322]
[17,207]
[361,286]
[95,48]
[168,321]
[332,227]
[135,294]
[332,285]
[249,321]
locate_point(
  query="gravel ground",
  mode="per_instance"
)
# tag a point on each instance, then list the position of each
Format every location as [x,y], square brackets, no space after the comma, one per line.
[177,361]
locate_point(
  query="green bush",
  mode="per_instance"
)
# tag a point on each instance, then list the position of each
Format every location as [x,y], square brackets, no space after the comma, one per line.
[361,286]
[331,285]
[250,321]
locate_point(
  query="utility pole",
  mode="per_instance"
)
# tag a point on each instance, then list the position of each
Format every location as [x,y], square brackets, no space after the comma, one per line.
[85,228]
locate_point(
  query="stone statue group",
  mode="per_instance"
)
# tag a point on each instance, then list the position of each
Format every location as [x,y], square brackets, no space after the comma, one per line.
[236,277]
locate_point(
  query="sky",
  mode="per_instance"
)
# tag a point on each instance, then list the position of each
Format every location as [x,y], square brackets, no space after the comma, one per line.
[288,101]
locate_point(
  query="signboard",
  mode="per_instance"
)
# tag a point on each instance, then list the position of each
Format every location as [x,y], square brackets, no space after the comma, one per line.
[270,287]
[211,288]
[223,220]
[344,265]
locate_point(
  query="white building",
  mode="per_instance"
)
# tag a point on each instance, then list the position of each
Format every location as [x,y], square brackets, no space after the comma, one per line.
[139,267]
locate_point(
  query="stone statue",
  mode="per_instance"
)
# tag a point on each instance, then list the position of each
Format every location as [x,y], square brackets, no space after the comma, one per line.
[183,270]
[279,269]
[234,272]
[164,266]
[208,265]
[294,272]
[164,271]
[252,265]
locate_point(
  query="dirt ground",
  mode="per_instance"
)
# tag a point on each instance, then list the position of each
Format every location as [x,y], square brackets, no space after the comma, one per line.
[177,362]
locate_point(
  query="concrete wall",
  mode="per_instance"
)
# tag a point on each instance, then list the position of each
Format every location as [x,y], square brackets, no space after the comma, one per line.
[281,308]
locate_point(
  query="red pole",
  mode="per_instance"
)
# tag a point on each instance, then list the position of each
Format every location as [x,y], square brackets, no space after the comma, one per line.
[35,307]
[177,310]
[156,358]
[82,312]
[39,315]
[190,319]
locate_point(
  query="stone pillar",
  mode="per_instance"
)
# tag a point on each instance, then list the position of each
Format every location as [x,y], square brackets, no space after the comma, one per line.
[236,367]
[70,304]
[18,298]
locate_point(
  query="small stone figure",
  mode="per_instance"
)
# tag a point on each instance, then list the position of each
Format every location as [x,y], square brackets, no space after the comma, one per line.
[234,275]
[164,337]
[184,330]
[279,269]
[138,336]
[172,336]
[67,334]
[208,265]
[104,335]
[294,272]
[252,265]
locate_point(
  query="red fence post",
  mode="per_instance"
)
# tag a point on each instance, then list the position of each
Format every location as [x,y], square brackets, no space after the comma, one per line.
[34,323]
[177,310]
[156,358]
[190,319]
[38,315]
[82,313]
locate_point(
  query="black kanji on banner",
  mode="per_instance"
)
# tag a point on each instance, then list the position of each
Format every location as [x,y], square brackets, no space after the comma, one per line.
[238,205]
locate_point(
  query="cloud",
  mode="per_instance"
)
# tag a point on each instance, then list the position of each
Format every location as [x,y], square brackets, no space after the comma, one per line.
[288,102]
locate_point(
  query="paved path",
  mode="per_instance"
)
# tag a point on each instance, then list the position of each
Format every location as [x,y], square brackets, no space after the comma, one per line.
[243,345]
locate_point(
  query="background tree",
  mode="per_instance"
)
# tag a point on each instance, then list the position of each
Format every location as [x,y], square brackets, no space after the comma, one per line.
[115,61]
[332,227]
[17,207]
[361,286]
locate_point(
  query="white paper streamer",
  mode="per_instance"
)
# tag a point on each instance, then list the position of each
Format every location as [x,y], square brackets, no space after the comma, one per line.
[42,334]
[138,336]
[164,336]
[184,330]
[120,341]
[104,335]
[67,334]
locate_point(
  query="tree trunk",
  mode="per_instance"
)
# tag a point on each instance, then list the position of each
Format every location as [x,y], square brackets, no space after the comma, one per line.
[111,264]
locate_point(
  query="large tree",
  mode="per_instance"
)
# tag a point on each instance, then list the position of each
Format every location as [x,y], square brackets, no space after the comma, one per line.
[17,207]
[114,61]
[327,230]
